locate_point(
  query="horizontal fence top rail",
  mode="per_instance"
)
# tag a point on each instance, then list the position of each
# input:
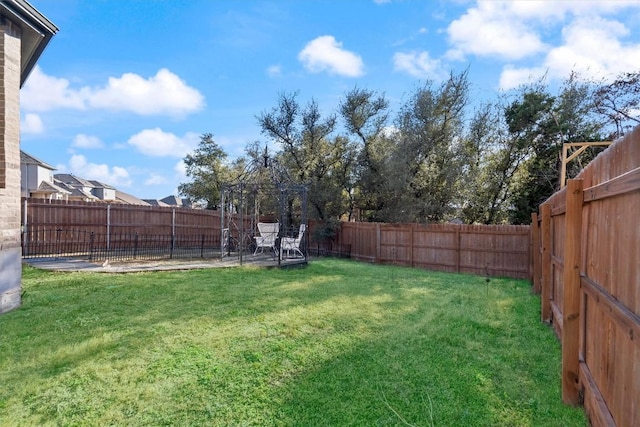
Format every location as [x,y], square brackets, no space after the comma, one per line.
[622,184]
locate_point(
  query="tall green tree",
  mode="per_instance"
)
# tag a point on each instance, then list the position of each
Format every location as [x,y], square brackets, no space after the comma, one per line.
[491,159]
[619,103]
[309,152]
[544,122]
[428,156]
[365,114]
[207,170]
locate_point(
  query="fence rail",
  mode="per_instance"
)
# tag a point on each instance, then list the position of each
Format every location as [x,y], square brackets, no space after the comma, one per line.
[587,268]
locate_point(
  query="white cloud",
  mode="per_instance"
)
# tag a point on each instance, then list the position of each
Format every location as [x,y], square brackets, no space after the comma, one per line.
[493,29]
[524,33]
[419,64]
[514,30]
[86,141]
[116,176]
[324,53]
[181,169]
[157,143]
[31,123]
[543,10]
[512,77]
[591,46]
[162,94]
[411,38]
[44,93]
[274,71]
[155,179]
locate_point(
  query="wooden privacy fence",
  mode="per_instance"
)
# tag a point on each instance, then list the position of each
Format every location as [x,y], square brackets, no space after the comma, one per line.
[496,250]
[38,214]
[114,231]
[587,267]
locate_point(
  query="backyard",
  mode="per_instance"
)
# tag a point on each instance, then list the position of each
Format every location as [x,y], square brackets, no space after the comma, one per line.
[335,343]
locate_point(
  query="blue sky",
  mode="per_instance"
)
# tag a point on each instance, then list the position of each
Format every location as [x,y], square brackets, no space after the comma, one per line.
[126,87]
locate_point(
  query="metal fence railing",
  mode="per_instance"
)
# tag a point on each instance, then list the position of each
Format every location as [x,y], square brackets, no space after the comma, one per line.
[92,246]
[117,247]
[329,249]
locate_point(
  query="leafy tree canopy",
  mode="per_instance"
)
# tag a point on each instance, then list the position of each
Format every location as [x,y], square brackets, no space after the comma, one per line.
[441,156]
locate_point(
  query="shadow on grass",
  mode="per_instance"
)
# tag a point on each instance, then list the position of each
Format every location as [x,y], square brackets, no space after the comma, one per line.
[426,375]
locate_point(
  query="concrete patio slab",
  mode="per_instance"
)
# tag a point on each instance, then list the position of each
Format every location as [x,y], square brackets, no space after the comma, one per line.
[74,264]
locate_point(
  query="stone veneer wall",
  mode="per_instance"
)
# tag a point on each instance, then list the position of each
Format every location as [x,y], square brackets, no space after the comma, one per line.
[10,252]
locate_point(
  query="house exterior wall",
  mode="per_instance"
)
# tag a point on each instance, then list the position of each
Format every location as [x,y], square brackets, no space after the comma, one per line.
[25,180]
[108,194]
[10,252]
[32,176]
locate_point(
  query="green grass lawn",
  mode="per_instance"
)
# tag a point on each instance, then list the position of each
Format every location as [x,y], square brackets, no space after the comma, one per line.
[336,343]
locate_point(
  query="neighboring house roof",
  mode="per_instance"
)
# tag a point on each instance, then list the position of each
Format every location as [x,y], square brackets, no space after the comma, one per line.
[36,31]
[173,201]
[179,202]
[28,159]
[76,187]
[129,199]
[47,187]
[73,180]
[74,191]
[156,202]
[98,184]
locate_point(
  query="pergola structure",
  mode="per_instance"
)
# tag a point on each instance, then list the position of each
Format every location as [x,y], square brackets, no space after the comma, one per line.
[263,193]
[580,147]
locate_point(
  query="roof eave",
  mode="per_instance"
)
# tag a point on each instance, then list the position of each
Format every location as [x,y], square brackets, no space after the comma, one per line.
[37,31]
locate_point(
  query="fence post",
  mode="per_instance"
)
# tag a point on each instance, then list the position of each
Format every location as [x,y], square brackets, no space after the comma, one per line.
[545,277]
[202,247]
[58,250]
[91,241]
[173,221]
[412,229]
[108,227]
[457,247]
[571,294]
[135,246]
[25,228]
[535,253]
[377,228]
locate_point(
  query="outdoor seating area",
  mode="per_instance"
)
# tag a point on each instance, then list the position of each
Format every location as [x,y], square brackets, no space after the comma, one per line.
[290,246]
[268,235]
[265,213]
[267,241]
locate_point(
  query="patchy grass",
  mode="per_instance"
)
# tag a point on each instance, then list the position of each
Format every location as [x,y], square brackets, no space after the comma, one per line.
[336,343]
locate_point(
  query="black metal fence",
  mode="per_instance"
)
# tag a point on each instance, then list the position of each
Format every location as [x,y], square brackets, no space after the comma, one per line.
[61,242]
[329,249]
[117,247]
